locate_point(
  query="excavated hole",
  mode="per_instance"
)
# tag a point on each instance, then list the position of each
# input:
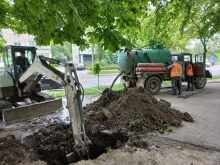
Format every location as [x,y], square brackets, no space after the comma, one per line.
[104,142]
[53,143]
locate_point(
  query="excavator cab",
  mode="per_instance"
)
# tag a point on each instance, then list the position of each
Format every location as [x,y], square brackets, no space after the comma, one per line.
[11,53]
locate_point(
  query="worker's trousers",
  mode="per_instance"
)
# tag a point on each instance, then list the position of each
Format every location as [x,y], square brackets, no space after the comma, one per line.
[177,84]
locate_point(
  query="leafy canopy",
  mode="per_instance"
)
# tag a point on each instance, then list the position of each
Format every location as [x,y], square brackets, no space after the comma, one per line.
[69,20]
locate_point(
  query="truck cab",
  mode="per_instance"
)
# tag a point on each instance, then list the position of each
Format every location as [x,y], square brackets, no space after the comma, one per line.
[199,69]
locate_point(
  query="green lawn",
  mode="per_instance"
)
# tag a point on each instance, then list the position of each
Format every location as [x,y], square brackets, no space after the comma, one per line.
[2,69]
[107,71]
[214,77]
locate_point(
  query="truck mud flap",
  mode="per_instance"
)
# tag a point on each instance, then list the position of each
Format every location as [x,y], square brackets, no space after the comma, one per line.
[13,115]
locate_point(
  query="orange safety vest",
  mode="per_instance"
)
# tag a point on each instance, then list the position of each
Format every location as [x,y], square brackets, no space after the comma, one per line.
[176,70]
[189,72]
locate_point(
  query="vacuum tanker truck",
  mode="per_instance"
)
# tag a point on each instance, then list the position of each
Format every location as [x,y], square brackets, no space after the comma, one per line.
[148,67]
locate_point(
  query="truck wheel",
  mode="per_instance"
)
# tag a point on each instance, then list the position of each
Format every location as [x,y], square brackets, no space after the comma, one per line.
[200,82]
[153,85]
[55,86]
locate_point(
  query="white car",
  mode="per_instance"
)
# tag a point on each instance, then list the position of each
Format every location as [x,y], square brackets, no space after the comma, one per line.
[208,64]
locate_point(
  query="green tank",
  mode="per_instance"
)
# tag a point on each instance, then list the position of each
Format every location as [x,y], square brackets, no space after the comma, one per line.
[129,59]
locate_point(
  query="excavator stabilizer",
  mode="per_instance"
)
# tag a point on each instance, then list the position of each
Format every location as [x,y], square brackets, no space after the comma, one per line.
[13,115]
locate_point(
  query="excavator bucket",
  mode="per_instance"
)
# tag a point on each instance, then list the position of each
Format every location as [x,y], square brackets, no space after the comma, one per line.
[22,113]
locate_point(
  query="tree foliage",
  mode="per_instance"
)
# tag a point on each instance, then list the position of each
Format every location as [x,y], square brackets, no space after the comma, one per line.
[175,22]
[68,20]
[96,69]
[115,23]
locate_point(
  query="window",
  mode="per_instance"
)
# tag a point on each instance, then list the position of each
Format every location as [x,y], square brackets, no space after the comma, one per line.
[174,58]
[84,58]
[17,43]
[7,57]
[187,58]
[32,43]
[15,34]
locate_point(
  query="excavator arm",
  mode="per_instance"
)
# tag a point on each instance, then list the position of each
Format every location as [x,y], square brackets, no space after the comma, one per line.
[39,68]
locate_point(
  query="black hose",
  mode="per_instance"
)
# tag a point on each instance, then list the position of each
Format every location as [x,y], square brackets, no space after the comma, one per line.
[115,80]
[82,92]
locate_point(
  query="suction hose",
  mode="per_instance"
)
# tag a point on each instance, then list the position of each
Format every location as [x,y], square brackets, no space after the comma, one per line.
[115,80]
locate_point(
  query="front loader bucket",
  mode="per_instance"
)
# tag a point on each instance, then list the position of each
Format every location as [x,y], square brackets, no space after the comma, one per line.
[13,115]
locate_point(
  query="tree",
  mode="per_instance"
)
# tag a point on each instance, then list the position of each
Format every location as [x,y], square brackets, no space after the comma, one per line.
[58,51]
[96,69]
[68,20]
[194,18]
[2,43]
[99,52]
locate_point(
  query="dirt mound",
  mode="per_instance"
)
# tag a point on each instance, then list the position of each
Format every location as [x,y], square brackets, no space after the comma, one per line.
[108,96]
[12,152]
[135,110]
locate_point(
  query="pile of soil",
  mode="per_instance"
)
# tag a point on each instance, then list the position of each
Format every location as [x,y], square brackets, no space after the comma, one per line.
[12,152]
[133,110]
[108,96]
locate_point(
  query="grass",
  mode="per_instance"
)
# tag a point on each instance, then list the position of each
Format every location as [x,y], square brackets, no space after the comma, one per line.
[109,149]
[143,128]
[2,69]
[96,161]
[153,161]
[87,91]
[180,147]
[214,77]
[166,82]
[111,132]
[107,72]
[170,128]
[131,124]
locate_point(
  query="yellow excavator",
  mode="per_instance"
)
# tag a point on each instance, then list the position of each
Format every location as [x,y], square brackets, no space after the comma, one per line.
[20,93]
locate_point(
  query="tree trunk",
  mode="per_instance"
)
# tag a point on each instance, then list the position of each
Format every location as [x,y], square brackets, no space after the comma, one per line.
[92,54]
[204,43]
[98,81]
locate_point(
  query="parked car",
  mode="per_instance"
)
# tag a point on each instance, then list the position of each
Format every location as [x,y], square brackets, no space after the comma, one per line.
[208,64]
[47,84]
[212,62]
[80,66]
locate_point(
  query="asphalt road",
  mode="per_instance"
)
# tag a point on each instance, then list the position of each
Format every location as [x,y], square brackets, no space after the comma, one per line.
[215,69]
[90,80]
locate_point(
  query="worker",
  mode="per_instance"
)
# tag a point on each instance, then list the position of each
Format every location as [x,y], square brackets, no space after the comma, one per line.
[189,74]
[176,77]
[22,61]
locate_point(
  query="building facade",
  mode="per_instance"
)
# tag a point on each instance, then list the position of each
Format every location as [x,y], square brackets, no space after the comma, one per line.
[84,56]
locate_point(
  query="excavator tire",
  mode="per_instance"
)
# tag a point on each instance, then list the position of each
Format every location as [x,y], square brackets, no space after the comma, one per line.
[4,104]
